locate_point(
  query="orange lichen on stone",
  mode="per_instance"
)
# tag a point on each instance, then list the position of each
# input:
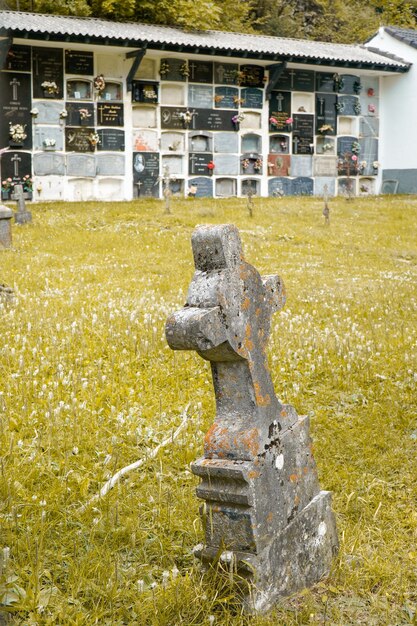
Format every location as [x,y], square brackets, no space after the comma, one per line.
[245,304]
[269,517]
[250,440]
[217,440]
[260,399]
[253,474]
[294,478]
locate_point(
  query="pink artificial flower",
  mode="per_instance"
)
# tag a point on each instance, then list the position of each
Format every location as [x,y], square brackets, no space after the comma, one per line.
[371,108]
[354,157]
[289,120]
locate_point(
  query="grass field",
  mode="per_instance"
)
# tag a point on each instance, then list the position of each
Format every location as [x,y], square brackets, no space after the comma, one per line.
[89,385]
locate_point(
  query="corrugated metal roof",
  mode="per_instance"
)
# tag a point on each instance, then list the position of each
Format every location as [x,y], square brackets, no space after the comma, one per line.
[406,35]
[234,44]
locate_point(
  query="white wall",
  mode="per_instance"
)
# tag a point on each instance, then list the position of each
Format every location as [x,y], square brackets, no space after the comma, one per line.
[398,107]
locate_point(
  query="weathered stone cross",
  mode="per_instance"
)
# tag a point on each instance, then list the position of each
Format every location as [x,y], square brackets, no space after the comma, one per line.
[265,512]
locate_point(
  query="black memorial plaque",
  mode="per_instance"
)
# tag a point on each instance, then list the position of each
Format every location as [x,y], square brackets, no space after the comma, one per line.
[350,84]
[80,114]
[204,186]
[15,108]
[19,59]
[302,186]
[77,139]
[296,80]
[207,119]
[226,73]
[79,62]
[109,114]
[303,133]
[251,76]
[253,98]
[111,139]
[48,67]
[200,71]
[144,92]
[348,105]
[200,96]
[171,117]
[279,109]
[325,82]
[173,69]
[197,163]
[326,113]
[146,173]
[226,98]
[16,165]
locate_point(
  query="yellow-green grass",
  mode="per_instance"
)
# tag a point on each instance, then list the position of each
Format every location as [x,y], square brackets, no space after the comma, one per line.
[88,385]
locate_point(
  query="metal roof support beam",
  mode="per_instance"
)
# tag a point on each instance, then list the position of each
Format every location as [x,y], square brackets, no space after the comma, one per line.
[275,72]
[137,60]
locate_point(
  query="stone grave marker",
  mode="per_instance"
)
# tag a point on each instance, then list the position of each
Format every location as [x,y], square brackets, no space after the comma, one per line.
[204,186]
[49,138]
[6,215]
[226,164]
[200,96]
[225,187]
[81,165]
[280,186]
[49,112]
[301,165]
[226,97]
[320,182]
[325,166]
[22,215]
[226,142]
[110,165]
[302,186]
[265,513]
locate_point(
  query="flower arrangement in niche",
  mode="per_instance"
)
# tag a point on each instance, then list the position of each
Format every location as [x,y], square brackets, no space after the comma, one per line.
[236,119]
[218,98]
[362,166]
[187,117]
[356,148]
[237,100]
[94,139]
[371,108]
[289,122]
[245,164]
[164,68]
[149,93]
[17,132]
[273,121]
[371,91]
[283,145]
[50,87]
[364,188]
[63,114]
[27,183]
[185,70]
[326,128]
[210,166]
[7,185]
[49,142]
[270,165]
[84,114]
[357,87]
[357,107]
[376,165]
[99,84]
[34,112]
[327,147]
[257,166]
[338,82]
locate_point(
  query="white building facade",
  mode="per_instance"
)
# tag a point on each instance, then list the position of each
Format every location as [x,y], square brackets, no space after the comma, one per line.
[98,110]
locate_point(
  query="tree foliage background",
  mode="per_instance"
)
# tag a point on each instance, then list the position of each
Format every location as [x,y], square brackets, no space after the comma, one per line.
[326,20]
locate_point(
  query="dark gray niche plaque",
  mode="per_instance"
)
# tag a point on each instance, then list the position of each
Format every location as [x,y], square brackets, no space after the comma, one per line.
[204,186]
[325,82]
[226,97]
[279,186]
[19,59]
[200,96]
[173,69]
[350,84]
[146,173]
[48,67]
[253,98]
[109,114]
[303,134]
[77,139]
[79,62]
[80,114]
[302,186]
[348,105]
[226,73]
[326,113]
[197,163]
[344,145]
[111,139]
[251,76]
[200,71]
[15,108]
[296,80]
[16,165]
[279,110]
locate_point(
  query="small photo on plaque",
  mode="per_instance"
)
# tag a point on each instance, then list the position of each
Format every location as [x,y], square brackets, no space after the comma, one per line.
[79,89]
